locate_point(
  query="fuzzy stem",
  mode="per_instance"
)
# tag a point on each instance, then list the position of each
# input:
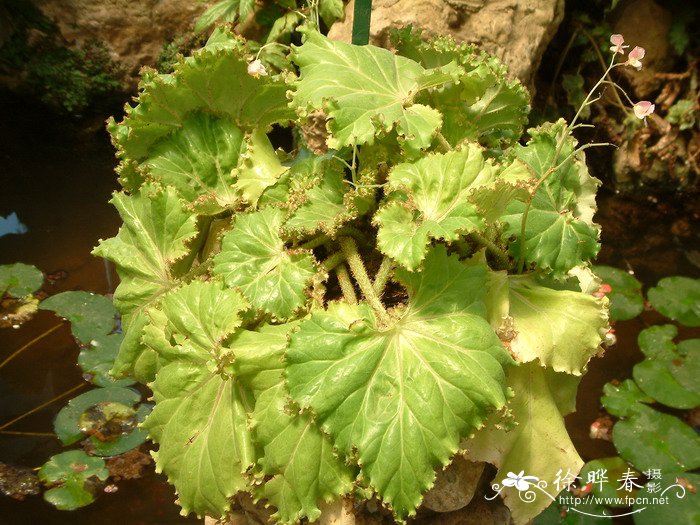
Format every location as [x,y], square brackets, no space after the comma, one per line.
[341,271]
[499,254]
[29,344]
[383,275]
[359,272]
[333,261]
[315,242]
[442,142]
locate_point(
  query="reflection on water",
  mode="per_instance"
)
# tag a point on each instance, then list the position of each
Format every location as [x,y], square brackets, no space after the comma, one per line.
[58,178]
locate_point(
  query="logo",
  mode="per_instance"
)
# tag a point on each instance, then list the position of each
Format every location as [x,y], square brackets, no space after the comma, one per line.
[597,489]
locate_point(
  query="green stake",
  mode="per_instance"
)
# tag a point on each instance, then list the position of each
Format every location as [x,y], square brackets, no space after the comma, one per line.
[360,24]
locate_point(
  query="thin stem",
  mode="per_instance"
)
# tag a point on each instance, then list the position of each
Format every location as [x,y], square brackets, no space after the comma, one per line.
[383,275]
[30,343]
[333,261]
[359,272]
[14,433]
[442,142]
[341,271]
[43,405]
[499,254]
[602,63]
[590,94]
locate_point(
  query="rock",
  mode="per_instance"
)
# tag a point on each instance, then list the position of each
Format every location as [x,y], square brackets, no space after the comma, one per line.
[479,512]
[134,32]
[337,512]
[645,23]
[516,31]
[455,486]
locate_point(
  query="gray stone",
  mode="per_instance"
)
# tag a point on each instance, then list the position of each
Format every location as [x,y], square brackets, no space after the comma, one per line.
[514,30]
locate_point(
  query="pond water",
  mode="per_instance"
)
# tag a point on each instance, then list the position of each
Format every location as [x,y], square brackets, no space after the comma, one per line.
[58,178]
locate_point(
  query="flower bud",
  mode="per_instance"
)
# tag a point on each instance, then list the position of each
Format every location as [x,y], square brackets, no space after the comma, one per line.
[257,69]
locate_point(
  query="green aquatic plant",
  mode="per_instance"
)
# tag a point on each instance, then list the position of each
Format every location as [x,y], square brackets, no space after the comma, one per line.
[339,322]
[657,447]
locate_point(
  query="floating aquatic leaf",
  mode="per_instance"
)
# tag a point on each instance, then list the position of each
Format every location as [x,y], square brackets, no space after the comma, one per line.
[68,473]
[19,279]
[67,424]
[677,298]
[650,439]
[97,359]
[621,400]
[626,300]
[91,315]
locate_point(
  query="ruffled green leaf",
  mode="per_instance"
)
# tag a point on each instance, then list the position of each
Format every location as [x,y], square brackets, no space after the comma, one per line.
[327,205]
[198,160]
[539,444]
[200,425]
[303,466]
[254,259]
[192,322]
[562,329]
[365,90]
[437,203]
[221,11]
[214,80]
[150,254]
[559,232]
[260,169]
[366,383]
[483,104]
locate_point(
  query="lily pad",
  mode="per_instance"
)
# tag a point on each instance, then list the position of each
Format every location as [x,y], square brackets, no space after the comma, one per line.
[621,400]
[68,474]
[655,375]
[19,279]
[97,359]
[603,476]
[131,435]
[683,507]
[626,300]
[67,424]
[650,439]
[678,298]
[91,315]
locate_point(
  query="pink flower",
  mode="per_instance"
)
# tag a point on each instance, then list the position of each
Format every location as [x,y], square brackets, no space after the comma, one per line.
[635,57]
[617,41]
[643,109]
[257,69]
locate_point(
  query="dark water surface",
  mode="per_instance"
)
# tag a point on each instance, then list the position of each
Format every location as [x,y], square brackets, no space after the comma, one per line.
[58,178]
